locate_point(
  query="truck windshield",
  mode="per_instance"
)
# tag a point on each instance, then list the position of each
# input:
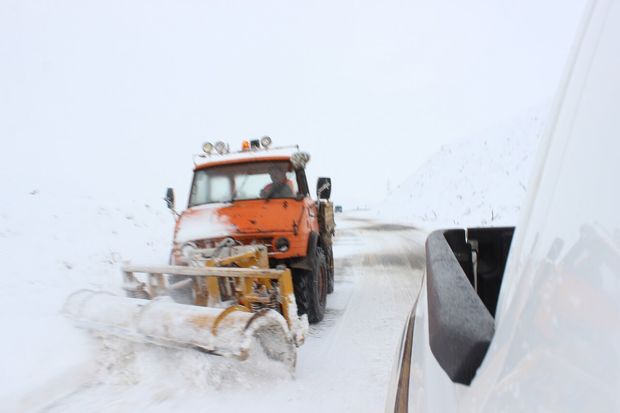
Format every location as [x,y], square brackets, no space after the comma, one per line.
[243,181]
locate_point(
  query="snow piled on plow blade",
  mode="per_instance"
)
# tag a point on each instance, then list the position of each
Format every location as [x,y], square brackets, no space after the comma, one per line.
[166,323]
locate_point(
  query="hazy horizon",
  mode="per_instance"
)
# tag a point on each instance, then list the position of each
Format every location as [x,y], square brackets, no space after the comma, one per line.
[113,98]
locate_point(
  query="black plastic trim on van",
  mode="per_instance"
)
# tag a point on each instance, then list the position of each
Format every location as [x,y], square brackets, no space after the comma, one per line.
[461,323]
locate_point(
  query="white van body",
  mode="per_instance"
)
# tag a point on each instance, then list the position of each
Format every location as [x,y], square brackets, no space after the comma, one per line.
[556,346]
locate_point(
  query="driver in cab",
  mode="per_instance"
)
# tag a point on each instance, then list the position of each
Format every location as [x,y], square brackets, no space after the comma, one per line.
[280,186]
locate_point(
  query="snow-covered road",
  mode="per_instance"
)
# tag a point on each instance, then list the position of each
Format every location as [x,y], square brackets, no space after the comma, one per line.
[344,366]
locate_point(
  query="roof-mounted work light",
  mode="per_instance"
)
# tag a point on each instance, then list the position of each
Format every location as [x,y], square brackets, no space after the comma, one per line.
[221,147]
[207,147]
[265,141]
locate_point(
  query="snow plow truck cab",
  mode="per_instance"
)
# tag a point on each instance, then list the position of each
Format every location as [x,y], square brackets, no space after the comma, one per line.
[233,197]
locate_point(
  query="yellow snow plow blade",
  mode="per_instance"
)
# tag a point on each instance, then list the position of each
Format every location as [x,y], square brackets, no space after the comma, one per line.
[233,308]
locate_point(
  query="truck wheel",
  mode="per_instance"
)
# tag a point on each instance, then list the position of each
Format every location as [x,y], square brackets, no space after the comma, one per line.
[311,288]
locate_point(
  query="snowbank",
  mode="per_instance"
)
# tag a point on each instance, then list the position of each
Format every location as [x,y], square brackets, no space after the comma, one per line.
[50,246]
[480,181]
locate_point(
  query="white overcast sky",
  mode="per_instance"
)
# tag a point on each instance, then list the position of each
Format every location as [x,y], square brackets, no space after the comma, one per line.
[113,97]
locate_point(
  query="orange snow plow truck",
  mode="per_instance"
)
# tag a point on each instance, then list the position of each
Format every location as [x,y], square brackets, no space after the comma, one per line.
[251,261]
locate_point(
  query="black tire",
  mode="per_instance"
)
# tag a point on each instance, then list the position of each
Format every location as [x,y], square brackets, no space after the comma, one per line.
[311,288]
[330,270]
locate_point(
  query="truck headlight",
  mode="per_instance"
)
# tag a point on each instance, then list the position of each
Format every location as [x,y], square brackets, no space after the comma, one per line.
[282,244]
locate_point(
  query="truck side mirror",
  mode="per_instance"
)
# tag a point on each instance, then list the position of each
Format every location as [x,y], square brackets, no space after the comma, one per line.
[170,198]
[323,188]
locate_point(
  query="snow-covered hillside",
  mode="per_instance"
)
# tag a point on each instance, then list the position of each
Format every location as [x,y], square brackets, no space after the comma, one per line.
[49,239]
[480,181]
[51,245]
